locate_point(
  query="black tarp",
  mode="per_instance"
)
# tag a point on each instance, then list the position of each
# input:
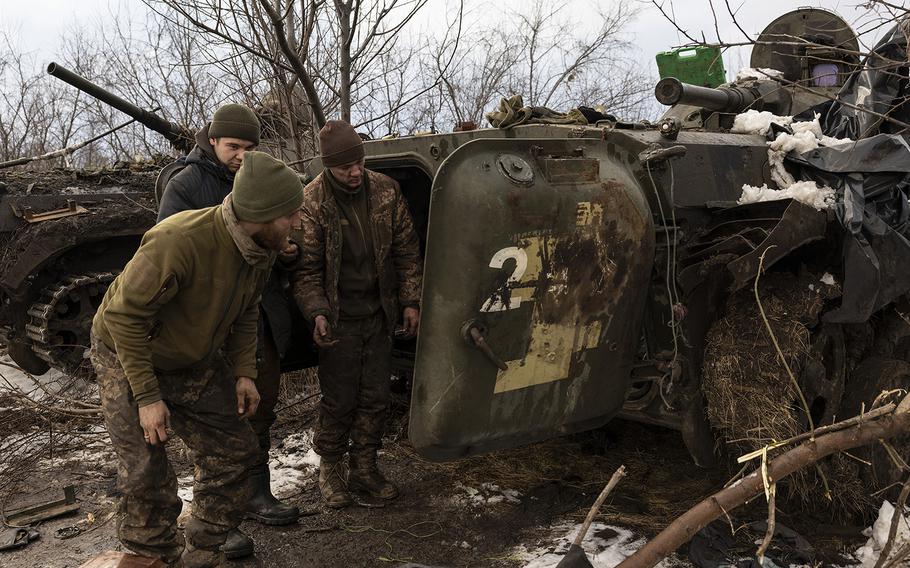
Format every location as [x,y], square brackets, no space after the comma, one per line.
[871,176]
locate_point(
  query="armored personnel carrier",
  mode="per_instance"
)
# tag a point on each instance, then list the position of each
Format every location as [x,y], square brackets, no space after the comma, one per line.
[574,274]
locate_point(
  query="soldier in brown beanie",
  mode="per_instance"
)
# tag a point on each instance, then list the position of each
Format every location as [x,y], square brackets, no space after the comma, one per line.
[174,346]
[359,276]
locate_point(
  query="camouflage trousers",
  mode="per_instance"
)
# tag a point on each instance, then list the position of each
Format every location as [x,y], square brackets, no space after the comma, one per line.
[267,383]
[203,406]
[354,380]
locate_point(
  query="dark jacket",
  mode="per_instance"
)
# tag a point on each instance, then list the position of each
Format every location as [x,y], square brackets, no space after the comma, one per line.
[204,182]
[396,251]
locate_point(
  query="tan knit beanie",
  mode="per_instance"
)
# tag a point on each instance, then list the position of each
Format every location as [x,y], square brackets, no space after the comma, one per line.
[265,189]
[339,144]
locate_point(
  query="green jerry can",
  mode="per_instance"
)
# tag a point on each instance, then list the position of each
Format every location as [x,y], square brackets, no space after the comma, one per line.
[702,66]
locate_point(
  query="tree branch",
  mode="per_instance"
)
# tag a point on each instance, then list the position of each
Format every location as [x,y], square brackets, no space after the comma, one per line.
[687,525]
[296,64]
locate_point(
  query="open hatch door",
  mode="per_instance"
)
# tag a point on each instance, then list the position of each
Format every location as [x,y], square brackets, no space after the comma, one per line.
[538,258]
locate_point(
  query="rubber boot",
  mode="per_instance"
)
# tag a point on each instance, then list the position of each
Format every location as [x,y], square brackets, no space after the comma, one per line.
[237,545]
[365,476]
[333,483]
[263,506]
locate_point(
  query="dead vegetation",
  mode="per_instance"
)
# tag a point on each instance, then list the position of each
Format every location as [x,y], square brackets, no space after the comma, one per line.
[752,402]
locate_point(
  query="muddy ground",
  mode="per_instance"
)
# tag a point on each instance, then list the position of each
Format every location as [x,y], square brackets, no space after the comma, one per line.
[490,510]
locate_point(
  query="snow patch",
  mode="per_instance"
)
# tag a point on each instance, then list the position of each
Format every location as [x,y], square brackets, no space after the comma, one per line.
[758,73]
[14,378]
[88,455]
[757,122]
[799,142]
[185,489]
[806,136]
[292,464]
[868,554]
[806,192]
[605,545]
[488,494]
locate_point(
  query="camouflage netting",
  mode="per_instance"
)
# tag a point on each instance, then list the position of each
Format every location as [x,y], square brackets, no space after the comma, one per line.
[751,399]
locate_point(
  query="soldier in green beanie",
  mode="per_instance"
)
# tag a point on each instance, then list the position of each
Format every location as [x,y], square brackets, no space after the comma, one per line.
[174,346]
[206,179]
[206,174]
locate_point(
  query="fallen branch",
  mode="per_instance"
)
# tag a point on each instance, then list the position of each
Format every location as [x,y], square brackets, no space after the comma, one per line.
[872,414]
[689,523]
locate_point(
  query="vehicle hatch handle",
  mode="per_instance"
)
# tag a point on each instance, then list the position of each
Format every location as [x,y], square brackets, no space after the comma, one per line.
[473,334]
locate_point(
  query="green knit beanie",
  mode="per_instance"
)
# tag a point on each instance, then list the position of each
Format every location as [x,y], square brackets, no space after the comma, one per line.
[235,121]
[265,189]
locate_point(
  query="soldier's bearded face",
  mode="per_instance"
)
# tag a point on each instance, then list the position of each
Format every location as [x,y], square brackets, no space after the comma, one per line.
[350,175]
[274,235]
[230,151]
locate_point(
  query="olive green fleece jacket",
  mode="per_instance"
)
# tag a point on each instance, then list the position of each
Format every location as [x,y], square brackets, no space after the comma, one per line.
[187,292]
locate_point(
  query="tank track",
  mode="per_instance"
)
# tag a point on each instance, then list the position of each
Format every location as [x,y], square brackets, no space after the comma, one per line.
[60,321]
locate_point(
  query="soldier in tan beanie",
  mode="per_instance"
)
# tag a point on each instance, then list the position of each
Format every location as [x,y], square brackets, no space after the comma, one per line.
[359,280]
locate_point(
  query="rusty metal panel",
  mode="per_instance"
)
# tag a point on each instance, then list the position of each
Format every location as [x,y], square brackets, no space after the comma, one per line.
[533,294]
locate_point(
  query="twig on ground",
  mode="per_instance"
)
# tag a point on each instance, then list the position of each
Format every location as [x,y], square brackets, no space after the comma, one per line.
[617,476]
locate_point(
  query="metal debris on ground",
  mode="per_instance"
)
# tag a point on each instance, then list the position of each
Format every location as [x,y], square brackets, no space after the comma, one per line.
[43,511]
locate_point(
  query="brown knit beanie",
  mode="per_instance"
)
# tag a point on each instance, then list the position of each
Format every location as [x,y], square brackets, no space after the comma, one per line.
[265,189]
[235,121]
[339,144]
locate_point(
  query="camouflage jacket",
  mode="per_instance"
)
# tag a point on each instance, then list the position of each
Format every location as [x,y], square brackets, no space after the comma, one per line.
[396,251]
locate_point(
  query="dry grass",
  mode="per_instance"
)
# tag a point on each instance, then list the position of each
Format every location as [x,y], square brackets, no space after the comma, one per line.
[751,399]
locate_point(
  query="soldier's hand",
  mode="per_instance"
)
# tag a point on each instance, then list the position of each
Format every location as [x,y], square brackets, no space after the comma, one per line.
[289,253]
[411,317]
[247,397]
[322,333]
[155,419]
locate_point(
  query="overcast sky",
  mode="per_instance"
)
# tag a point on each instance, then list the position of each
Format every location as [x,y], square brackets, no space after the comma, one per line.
[37,24]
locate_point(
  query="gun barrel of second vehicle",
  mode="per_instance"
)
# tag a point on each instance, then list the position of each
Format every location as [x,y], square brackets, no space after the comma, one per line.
[671,91]
[173,132]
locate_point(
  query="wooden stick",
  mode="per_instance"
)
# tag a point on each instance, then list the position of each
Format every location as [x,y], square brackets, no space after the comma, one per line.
[617,475]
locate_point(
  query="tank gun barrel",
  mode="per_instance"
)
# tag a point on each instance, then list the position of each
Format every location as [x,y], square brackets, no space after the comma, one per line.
[764,95]
[176,134]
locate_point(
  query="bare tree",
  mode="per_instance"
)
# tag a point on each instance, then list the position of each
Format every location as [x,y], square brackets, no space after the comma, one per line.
[543,54]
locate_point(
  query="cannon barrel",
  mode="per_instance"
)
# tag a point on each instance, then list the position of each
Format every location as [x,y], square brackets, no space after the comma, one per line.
[671,91]
[176,135]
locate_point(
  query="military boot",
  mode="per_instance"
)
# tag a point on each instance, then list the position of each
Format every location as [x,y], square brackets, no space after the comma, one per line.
[365,476]
[237,545]
[263,506]
[199,558]
[333,483]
